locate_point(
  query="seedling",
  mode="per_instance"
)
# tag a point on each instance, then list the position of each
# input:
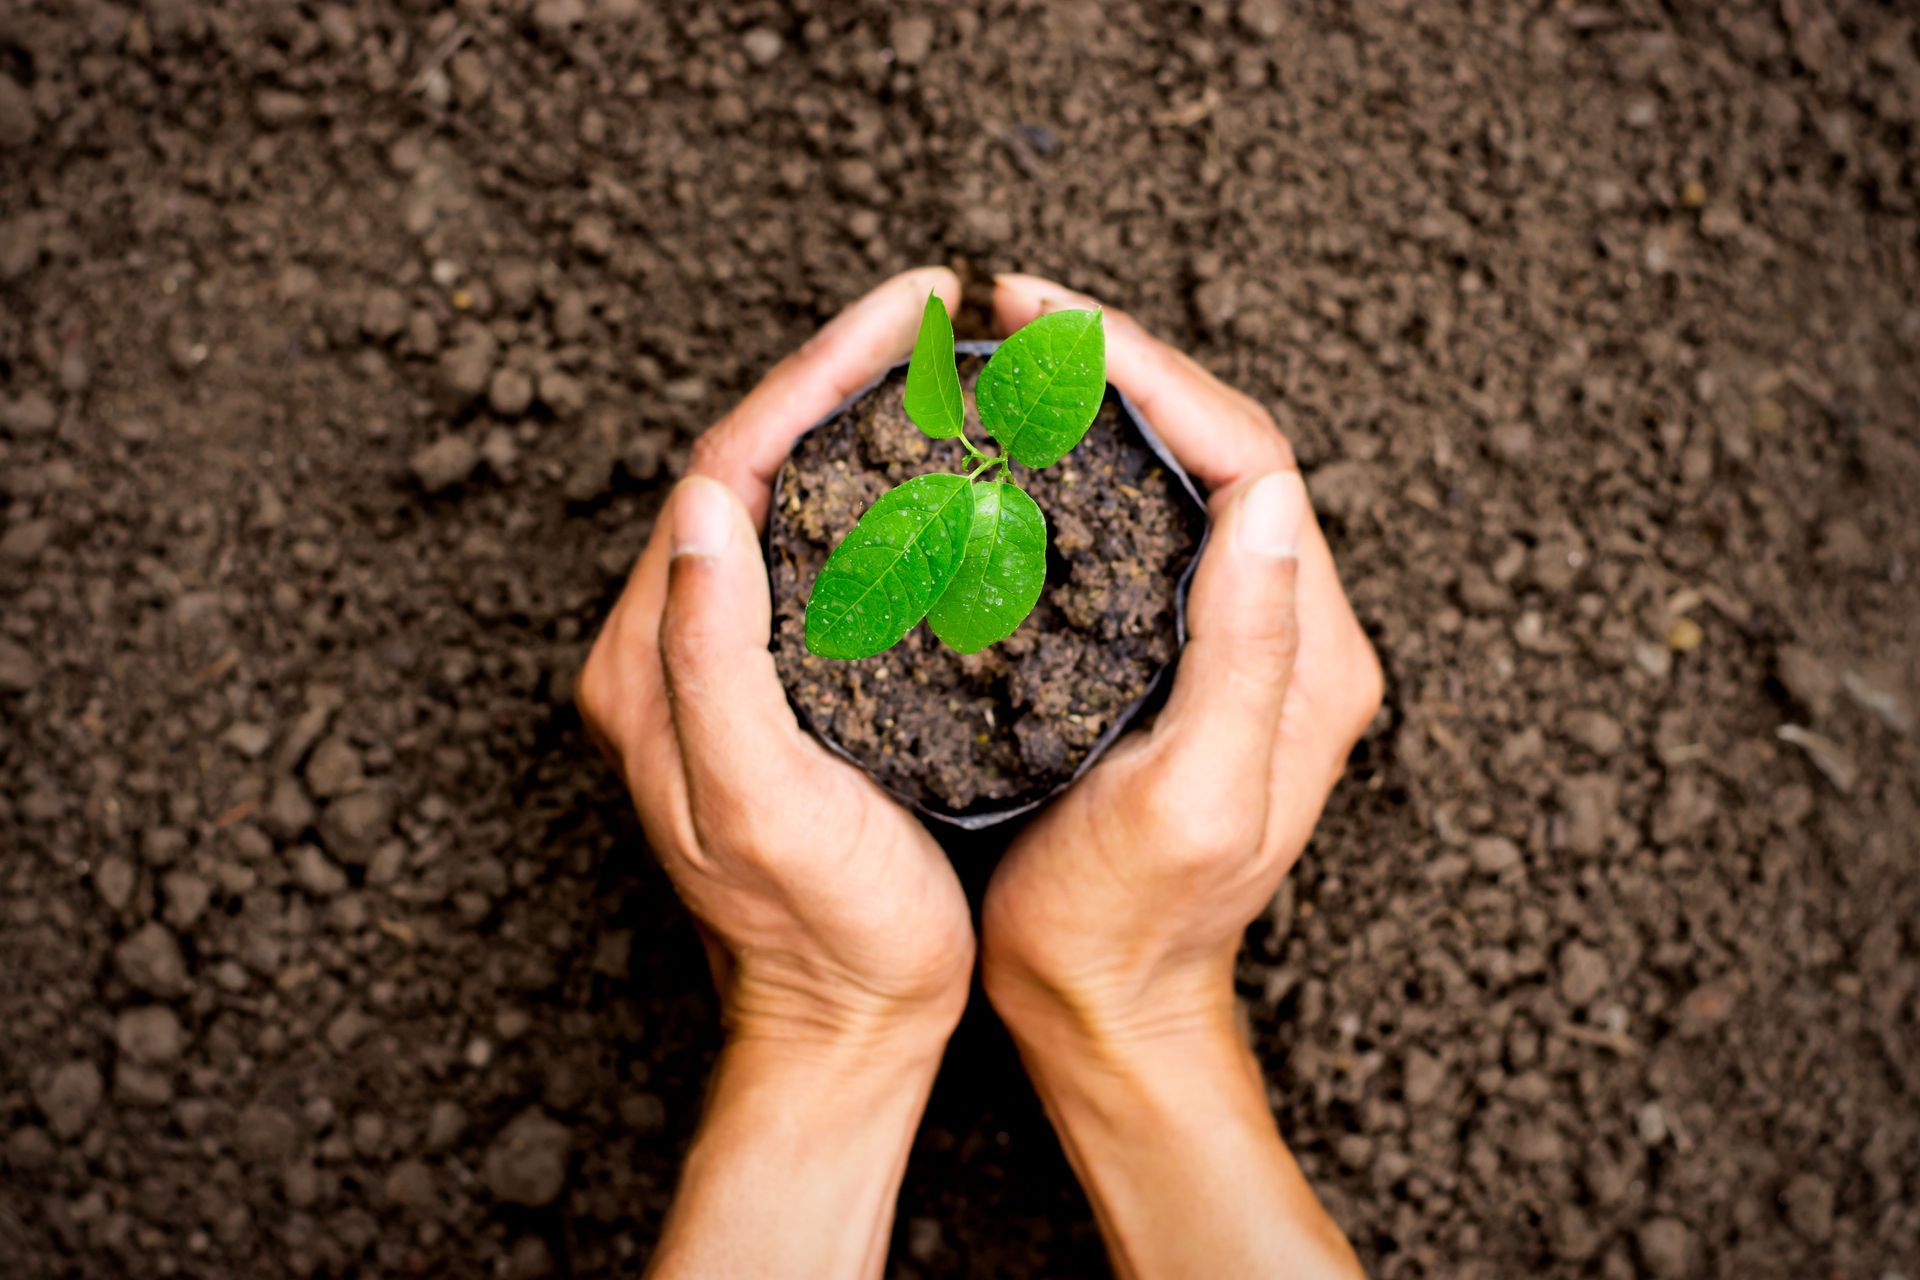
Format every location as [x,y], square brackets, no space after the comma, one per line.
[967,551]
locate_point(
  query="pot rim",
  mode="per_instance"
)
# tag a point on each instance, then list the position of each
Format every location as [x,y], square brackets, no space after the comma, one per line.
[981,819]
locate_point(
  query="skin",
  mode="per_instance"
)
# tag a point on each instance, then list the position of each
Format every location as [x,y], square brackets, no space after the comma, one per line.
[1109,931]
[1108,934]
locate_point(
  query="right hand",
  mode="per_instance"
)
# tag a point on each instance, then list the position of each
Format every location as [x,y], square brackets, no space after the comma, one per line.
[1109,931]
[1116,915]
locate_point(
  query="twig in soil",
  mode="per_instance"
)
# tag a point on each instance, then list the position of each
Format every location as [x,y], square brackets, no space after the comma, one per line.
[449,45]
[218,667]
[1827,755]
[1618,1041]
[1188,114]
[238,813]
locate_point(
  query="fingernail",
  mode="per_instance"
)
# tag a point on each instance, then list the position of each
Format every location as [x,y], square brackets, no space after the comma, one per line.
[703,518]
[1270,515]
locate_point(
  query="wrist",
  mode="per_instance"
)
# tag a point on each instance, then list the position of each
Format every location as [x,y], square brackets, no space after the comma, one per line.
[1167,1122]
[839,1023]
[1110,1018]
[841,1109]
[1138,1074]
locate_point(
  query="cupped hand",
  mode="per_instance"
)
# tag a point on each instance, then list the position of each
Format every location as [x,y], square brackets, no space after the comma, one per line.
[829,912]
[1116,915]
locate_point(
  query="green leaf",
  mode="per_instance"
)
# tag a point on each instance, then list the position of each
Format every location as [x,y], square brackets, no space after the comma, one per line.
[887,572]
[1040,391]
[933,384]
[1000,579]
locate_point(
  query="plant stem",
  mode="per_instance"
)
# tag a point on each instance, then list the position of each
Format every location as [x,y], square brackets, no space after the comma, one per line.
[983,462]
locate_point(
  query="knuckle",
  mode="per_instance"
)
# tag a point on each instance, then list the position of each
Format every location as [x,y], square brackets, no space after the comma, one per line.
[1369,686]
[1215,836]
[1143,795]
[1284,457]
[685,644]
[589,687]
[738,831]
[707,449]
[1188,826]
[1255,662]
[1270,649]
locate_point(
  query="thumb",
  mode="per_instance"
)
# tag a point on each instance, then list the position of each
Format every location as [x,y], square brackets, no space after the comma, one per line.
[727,701]
[1223,718]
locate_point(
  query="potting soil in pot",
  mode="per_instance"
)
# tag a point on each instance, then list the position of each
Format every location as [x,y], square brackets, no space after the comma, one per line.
[1015,720]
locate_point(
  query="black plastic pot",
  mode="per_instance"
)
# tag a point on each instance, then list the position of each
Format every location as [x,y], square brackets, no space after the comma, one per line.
[982,818]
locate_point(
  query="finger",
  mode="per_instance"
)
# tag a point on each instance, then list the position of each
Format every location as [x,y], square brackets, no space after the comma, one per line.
[729,710]
[745,449]
[1222,721]
[1337,689]
[1219,435]
[620,694]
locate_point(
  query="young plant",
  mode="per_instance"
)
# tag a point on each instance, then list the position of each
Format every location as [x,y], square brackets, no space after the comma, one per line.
[966,551]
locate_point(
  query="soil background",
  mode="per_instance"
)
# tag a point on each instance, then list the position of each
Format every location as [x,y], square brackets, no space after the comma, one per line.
[348,349]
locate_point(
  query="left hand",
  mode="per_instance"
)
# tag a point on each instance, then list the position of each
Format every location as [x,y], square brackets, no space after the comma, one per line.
[831,916]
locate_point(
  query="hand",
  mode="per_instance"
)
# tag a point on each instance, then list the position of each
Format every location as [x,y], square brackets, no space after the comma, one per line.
[840,938]
[1110,929]
[828,909]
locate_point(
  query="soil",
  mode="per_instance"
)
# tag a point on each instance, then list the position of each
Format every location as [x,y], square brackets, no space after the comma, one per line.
[347,348]
[1012,723]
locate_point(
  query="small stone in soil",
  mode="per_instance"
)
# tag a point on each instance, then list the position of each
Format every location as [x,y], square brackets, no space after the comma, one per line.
[1492,855]
[150,1034]
[138,1086]
[467,367]
[445,1125]
[384,314]
[1664,1248]
[31,415]
[334,768]
[410,1186]
[763,46]
[18,124]
[151,961]
[912,38]
[1426,1075]
[1583,973]
[354,825]
[250,740]
[114,881]
[317,874]
[1809,1203]
[510,394]
[643,1112]
[527,1163]
[593,235]
[288,811]
[445,463]
[18,671]
[187,895]
[25,543]
[348,1029]
[67,1096]
[29,1149]
[276,108]
[265,1135]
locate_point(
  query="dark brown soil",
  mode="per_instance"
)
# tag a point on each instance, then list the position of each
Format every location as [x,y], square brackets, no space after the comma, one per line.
[347,347]
[1014,721]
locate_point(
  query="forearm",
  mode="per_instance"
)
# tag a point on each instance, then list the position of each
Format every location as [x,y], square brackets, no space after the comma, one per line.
[797,1162]
[1179,1154]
